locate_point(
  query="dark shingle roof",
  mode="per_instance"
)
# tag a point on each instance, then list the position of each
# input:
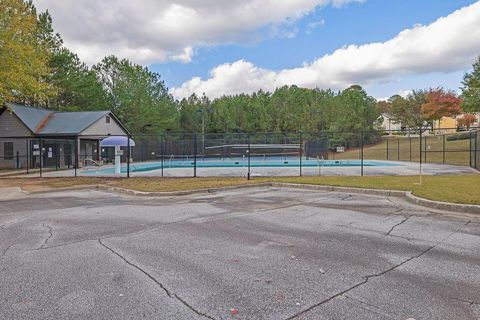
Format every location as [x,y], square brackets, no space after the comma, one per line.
[71,122]
[41,121]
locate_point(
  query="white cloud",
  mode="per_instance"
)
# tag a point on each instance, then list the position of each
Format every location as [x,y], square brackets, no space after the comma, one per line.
[448,44]
[148,31]
[311,26]
[402,93]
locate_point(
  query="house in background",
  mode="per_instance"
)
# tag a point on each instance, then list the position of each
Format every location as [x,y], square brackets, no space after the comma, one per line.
[30,136]
[448,125]
[445,125]
[388,123]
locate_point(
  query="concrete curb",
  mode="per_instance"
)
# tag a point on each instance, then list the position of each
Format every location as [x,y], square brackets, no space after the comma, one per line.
[406,195]
[456,207]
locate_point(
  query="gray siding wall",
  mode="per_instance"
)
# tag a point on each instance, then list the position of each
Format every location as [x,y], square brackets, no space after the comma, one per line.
[20,146]
[10,126]
[102,128]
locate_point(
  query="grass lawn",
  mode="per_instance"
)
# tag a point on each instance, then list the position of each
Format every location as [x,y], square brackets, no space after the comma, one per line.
[408,149]
[456,189]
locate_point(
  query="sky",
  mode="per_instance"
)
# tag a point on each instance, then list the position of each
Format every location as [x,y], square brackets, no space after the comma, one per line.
[220,47]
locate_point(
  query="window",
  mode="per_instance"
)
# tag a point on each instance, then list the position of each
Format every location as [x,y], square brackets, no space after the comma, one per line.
[8,150]
[107,119]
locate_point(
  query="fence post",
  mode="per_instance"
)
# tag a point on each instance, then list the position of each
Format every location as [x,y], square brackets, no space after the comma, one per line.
[476,149]
[361,161]
[444,149]
[195,155]
[56,155]
[410,138]
[387,148]
[27,142]
[76,156]
[420,155]
[128,156]
[471,149]
[398,149]
[425,159]
[248,157]
[41,155]
[162,150]
[301,151]
[17,160]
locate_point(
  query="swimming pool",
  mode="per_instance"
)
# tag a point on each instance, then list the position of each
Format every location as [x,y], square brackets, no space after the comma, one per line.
[241,163]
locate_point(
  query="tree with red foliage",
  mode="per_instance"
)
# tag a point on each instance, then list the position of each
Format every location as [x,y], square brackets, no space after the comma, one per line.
[466,121]
[441,103]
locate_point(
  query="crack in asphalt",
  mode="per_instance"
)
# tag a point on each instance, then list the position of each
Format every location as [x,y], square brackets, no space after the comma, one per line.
[157,226]
[370,305]
[361,301]
[375,275]
[209,218]
[167,291]
[405,219]
[399,209]
[469,302]
[408,239]
[11,245]
[391,201]
[8,248]
[50,235]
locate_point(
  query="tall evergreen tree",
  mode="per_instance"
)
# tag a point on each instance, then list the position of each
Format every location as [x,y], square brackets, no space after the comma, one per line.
[77,86]
[471,89]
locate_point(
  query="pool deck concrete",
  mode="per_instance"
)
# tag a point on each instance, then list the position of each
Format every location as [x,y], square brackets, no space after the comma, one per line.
[399,168]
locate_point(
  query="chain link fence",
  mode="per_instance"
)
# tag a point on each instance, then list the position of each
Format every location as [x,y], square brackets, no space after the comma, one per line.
[242,154]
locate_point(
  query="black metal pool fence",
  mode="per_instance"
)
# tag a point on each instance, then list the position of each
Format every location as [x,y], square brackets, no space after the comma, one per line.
[83,155]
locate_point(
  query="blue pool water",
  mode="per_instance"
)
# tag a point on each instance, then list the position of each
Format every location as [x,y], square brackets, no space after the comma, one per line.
[254,163]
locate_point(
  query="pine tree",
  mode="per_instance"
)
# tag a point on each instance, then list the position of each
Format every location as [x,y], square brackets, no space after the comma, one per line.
[471,89]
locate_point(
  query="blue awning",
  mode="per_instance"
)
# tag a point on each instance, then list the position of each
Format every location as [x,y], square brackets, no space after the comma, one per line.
[116,141]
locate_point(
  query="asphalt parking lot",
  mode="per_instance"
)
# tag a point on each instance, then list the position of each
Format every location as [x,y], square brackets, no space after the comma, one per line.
[256,253]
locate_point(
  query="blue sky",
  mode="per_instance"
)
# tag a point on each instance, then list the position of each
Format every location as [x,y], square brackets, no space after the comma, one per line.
[229,47]
[355,23]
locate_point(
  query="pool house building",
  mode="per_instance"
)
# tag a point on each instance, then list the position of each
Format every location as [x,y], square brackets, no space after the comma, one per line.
[33,137]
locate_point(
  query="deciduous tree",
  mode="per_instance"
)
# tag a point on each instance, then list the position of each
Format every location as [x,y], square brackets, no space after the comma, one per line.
[408,110]
[440,103]
[24,55]
[466,121]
